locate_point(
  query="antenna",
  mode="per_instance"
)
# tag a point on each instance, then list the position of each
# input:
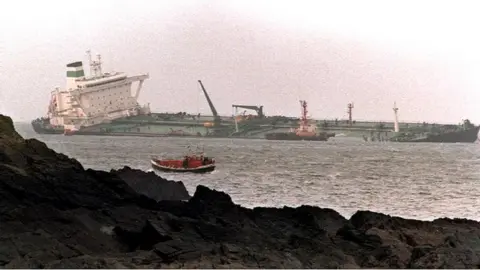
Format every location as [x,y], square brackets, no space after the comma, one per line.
[99,63]
[90,62]
[95,66]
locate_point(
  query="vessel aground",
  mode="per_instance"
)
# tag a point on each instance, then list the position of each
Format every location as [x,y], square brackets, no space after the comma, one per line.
[89,101]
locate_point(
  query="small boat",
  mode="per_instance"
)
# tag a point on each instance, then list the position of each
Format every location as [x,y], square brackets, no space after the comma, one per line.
[190,163]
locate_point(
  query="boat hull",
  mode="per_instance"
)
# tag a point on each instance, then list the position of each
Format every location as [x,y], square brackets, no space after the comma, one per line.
[200,169]
[42,126]
[149,126]
[288,136]
[464,136]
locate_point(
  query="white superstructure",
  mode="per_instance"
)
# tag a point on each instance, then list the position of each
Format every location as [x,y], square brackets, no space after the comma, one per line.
[96,99]
[396,127]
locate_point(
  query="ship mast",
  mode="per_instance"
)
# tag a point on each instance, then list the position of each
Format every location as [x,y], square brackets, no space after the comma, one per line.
[89,54]
[95,66]
[304,119]
[395,111]
[99,64]
[350,107]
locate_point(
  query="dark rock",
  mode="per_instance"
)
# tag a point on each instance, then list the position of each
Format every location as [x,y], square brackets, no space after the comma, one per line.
[175,249]
[7,129]
[56,214]
[152,185]
[145,238]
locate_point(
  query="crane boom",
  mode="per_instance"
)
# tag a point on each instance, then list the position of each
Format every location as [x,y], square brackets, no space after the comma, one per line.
[258,109]
[216,118]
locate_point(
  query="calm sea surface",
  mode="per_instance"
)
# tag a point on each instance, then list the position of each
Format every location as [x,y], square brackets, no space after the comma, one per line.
[423,181]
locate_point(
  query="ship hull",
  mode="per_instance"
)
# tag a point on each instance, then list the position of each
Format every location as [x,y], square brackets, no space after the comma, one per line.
[151,126]
[464,136]
[127,127]
[155,125]
[92,131]
[287,136]
[42,126]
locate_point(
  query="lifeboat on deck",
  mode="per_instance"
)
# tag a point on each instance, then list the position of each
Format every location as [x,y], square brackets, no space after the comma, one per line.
[190,163]
[69,132]
[208,124]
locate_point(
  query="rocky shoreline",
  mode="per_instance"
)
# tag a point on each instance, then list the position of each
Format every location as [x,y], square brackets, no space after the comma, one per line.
[56,214]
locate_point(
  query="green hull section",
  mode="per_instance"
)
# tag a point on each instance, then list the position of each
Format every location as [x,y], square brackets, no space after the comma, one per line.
[184,125]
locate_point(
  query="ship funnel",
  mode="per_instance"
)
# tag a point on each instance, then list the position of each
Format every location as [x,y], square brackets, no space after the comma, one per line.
[74,72]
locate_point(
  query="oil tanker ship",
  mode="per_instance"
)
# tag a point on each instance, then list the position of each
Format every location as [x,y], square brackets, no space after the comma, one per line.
[105,103]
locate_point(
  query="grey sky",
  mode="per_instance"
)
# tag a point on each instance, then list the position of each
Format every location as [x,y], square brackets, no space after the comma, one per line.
[272,53]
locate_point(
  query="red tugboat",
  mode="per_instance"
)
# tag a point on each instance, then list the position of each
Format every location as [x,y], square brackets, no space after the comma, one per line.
[305,131]
[190,163]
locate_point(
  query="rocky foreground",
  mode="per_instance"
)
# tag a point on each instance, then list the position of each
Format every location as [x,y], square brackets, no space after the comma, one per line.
[56,214]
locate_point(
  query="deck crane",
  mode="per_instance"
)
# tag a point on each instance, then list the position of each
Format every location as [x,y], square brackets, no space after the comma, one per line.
[216,118]
[258,109]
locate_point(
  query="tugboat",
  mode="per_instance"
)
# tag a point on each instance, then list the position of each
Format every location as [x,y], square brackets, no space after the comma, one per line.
[305,131]
[190,163]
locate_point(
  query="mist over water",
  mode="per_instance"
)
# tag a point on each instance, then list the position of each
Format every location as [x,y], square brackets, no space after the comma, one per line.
[422,181]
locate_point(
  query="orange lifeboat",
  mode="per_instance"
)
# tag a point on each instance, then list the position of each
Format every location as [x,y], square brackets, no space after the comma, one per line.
[208,124]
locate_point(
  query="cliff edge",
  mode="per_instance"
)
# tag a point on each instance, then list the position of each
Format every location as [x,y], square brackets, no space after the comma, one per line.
[56,214]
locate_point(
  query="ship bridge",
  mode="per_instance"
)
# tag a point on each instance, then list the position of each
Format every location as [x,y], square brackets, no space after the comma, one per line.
[111,81]
[140,79]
